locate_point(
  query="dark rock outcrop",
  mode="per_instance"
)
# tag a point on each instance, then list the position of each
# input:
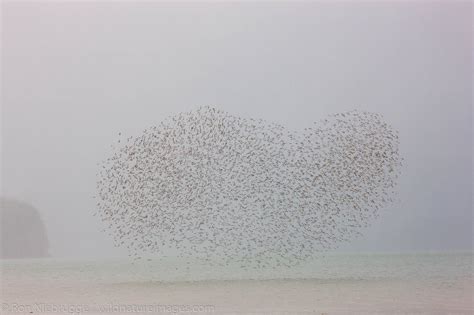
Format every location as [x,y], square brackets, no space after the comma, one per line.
[23,234]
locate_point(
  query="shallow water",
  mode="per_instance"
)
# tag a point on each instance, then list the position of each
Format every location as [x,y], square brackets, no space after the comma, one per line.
[334,266]
[333,283]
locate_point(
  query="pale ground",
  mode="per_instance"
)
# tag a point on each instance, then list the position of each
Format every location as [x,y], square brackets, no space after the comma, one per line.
[430,283]
[350,296]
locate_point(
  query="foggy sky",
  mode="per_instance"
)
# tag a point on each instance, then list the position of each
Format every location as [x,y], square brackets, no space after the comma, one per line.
[75,75]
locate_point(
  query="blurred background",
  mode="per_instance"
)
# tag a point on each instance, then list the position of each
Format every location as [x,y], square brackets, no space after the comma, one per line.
[74,75]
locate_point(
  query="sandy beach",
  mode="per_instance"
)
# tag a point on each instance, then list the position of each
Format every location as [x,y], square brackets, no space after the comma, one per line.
[270,296]
[439,284]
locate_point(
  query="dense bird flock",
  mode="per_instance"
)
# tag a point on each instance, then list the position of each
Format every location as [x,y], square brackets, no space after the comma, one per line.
[229,189]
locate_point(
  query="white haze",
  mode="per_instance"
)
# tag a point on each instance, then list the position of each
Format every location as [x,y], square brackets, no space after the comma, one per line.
[75,75]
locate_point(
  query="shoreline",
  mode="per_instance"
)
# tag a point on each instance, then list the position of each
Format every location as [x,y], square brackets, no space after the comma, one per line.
[343,284]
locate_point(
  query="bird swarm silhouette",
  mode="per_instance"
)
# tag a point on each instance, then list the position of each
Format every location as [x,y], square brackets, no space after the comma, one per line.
[228,189]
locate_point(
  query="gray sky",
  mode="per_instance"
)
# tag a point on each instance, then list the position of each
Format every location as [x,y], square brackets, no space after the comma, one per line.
[74,75]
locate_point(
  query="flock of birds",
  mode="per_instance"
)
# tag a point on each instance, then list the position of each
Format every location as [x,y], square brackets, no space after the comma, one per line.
[235,190]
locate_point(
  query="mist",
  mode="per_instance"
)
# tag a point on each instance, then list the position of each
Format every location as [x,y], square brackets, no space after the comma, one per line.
[74,75]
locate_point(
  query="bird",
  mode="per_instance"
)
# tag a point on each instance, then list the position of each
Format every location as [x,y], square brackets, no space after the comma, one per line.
[229,189]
